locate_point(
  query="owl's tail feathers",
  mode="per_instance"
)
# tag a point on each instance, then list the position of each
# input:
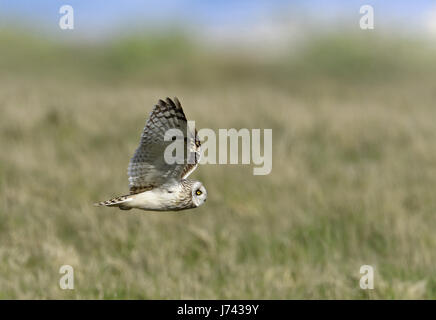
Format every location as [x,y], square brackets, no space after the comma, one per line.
[116,202]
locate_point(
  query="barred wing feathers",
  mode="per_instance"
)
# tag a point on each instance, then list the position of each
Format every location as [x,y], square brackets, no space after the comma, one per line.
[148,168]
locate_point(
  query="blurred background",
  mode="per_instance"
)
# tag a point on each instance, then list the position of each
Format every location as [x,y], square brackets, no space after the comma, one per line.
[353,118]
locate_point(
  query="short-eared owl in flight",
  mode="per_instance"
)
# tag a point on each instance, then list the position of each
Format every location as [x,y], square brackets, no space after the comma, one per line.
[156,185]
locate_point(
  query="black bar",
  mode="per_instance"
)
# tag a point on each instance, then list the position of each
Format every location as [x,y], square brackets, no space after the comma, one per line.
[217,309]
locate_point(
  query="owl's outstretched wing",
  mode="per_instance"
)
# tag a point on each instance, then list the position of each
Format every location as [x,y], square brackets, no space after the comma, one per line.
[148,168]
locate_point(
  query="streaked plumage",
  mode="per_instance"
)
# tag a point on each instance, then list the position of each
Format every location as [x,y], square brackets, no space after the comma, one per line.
[154,184]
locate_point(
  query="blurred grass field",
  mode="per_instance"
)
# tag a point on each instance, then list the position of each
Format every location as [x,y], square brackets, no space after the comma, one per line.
[353,179]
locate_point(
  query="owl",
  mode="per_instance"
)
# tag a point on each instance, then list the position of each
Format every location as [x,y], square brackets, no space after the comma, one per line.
[156,185]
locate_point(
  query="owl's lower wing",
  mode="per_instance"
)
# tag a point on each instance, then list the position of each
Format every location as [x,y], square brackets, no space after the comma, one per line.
[148,168]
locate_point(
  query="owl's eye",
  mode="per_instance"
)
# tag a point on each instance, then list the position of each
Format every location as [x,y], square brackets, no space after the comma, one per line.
[198,192]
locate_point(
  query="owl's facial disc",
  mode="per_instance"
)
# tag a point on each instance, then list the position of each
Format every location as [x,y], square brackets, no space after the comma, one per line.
[199,194]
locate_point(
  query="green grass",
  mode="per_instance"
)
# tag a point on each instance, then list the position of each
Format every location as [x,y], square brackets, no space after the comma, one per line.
[352,181]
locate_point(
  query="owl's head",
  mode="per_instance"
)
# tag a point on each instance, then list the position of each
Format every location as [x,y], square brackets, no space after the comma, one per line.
[199,193]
